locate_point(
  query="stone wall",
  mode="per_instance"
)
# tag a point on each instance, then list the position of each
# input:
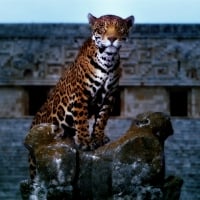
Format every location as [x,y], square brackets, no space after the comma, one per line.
[159,58]
[161,72]
[141,98]
[13,102]
[181,154]
[153,55]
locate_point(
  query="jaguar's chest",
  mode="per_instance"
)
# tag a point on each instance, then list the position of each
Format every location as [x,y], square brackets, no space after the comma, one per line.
[105,82]
[108,58]
[108,83]
[106,73]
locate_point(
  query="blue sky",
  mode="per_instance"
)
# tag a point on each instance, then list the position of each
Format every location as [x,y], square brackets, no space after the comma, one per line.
[70,11]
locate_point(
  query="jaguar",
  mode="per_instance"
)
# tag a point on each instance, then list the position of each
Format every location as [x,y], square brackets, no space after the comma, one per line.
[88,85]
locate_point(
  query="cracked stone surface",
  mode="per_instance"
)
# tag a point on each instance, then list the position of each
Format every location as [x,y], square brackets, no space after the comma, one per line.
[131,167]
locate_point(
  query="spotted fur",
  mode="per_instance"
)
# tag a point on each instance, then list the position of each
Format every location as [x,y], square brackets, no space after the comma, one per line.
[88,85]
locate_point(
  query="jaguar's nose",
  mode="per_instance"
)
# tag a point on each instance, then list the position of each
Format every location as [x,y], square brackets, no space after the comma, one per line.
[112,39]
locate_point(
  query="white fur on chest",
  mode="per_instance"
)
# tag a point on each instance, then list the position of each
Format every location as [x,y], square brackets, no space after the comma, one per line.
[108,58]
[107,81]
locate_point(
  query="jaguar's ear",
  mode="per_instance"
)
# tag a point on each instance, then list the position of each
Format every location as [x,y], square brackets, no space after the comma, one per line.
[130,21]
[91,19]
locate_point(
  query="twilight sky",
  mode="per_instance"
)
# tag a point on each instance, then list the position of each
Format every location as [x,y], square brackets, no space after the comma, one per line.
[75,11]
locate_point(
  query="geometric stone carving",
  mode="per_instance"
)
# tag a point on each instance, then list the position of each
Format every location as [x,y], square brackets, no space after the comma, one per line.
[158,54]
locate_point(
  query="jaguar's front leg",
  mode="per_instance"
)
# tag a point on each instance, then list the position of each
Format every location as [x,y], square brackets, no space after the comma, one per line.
[82,137]
[98,137]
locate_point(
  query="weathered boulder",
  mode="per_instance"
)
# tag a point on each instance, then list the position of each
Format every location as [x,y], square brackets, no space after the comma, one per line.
[132,167]
[56,162]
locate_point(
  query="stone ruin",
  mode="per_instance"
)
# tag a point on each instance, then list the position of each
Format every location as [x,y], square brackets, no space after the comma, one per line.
[130,167]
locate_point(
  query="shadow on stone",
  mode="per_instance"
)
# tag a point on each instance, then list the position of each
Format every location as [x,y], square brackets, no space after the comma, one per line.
[131,167]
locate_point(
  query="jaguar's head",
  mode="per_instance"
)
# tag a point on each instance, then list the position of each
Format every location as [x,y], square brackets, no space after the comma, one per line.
[109,31]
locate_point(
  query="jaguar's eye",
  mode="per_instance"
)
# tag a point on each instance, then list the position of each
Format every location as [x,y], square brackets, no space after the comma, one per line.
[101,24]
[99,31]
